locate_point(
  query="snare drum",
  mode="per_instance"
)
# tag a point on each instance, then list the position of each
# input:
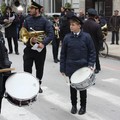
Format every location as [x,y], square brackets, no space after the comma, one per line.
[21,89]
[82,78]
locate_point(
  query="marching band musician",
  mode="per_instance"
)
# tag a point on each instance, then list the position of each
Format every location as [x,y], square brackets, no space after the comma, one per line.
[4,63]
[36,22]
[77,51]
[56,40]
[10,22]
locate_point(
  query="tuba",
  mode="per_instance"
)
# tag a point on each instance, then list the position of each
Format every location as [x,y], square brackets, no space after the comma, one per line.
[25,35]
[104,30]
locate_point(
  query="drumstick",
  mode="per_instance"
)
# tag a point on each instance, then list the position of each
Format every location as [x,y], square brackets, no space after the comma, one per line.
[67,80]
[6,70]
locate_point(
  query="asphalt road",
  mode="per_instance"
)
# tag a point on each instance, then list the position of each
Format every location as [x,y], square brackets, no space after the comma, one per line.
[103,100]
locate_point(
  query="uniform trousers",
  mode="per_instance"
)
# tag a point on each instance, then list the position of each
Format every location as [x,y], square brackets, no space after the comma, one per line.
[83,97]
[3,78]
[15,44]
[38,58]
[97,65]
[55,47]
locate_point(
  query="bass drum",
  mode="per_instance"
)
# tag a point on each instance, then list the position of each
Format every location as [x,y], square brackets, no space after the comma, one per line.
[21,89]
[82,78]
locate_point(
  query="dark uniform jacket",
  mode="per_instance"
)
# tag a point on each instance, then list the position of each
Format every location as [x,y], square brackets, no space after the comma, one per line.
[94,29]
[77,52]
[4,60]
[65,25]
[40,23]
[11,31]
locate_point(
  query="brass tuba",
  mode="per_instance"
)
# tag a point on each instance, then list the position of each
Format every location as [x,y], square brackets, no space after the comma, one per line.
[104,30]
[25,35]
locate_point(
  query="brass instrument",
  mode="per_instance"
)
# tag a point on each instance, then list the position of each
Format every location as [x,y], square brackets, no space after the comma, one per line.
[10,21]
[104,30]
[25,35]
[56,31]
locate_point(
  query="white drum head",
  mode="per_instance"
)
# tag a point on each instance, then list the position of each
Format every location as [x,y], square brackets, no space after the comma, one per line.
[22,86]
[81,75]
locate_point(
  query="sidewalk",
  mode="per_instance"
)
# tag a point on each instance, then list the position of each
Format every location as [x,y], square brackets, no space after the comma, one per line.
[114,50]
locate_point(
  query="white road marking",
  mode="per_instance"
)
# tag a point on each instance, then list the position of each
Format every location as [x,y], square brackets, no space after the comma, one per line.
[111,68]
[104,95]
[112,80]
[11,112]
[65,104]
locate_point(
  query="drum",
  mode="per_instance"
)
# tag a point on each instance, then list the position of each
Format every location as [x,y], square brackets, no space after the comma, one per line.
[21,89]
[82,78]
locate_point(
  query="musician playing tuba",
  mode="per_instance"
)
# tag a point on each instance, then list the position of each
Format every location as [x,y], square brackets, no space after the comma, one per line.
[34,24]
[56,40]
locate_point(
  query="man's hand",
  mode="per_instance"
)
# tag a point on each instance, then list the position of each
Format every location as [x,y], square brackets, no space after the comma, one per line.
[6,20]
[63,73]
[92,68]
[40,45]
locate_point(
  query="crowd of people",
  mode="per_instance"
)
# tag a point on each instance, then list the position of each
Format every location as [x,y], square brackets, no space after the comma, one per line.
[80,37]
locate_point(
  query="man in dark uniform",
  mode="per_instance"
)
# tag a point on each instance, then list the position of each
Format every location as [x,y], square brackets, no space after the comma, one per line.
[4,63]
[64,23]
[56,40]
[10,22]
[36,22]
[94,29]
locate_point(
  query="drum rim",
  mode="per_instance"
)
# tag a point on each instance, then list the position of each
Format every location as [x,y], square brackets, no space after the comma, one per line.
[91,72]
[6,93]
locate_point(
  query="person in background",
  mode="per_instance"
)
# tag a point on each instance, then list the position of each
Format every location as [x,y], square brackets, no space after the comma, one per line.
[10,22]
[62,11]
[94,29]
[64,23]
[114,23]
[81,15]
[56,40]
[77,51]
[36,22]
[20,21]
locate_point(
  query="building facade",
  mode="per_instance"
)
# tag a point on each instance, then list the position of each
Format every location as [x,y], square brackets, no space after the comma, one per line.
[53,6]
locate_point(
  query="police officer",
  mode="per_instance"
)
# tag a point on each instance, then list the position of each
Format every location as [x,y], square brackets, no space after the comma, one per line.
[56,40]
[36,22]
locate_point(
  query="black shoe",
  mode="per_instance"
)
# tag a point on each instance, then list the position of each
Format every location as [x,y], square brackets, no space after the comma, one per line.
[40,90]
[82,111]
[58,60]
[10,53]
[55,61]
[74,110]
[96,71]
[117,43]
[17,53]
[111,43]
